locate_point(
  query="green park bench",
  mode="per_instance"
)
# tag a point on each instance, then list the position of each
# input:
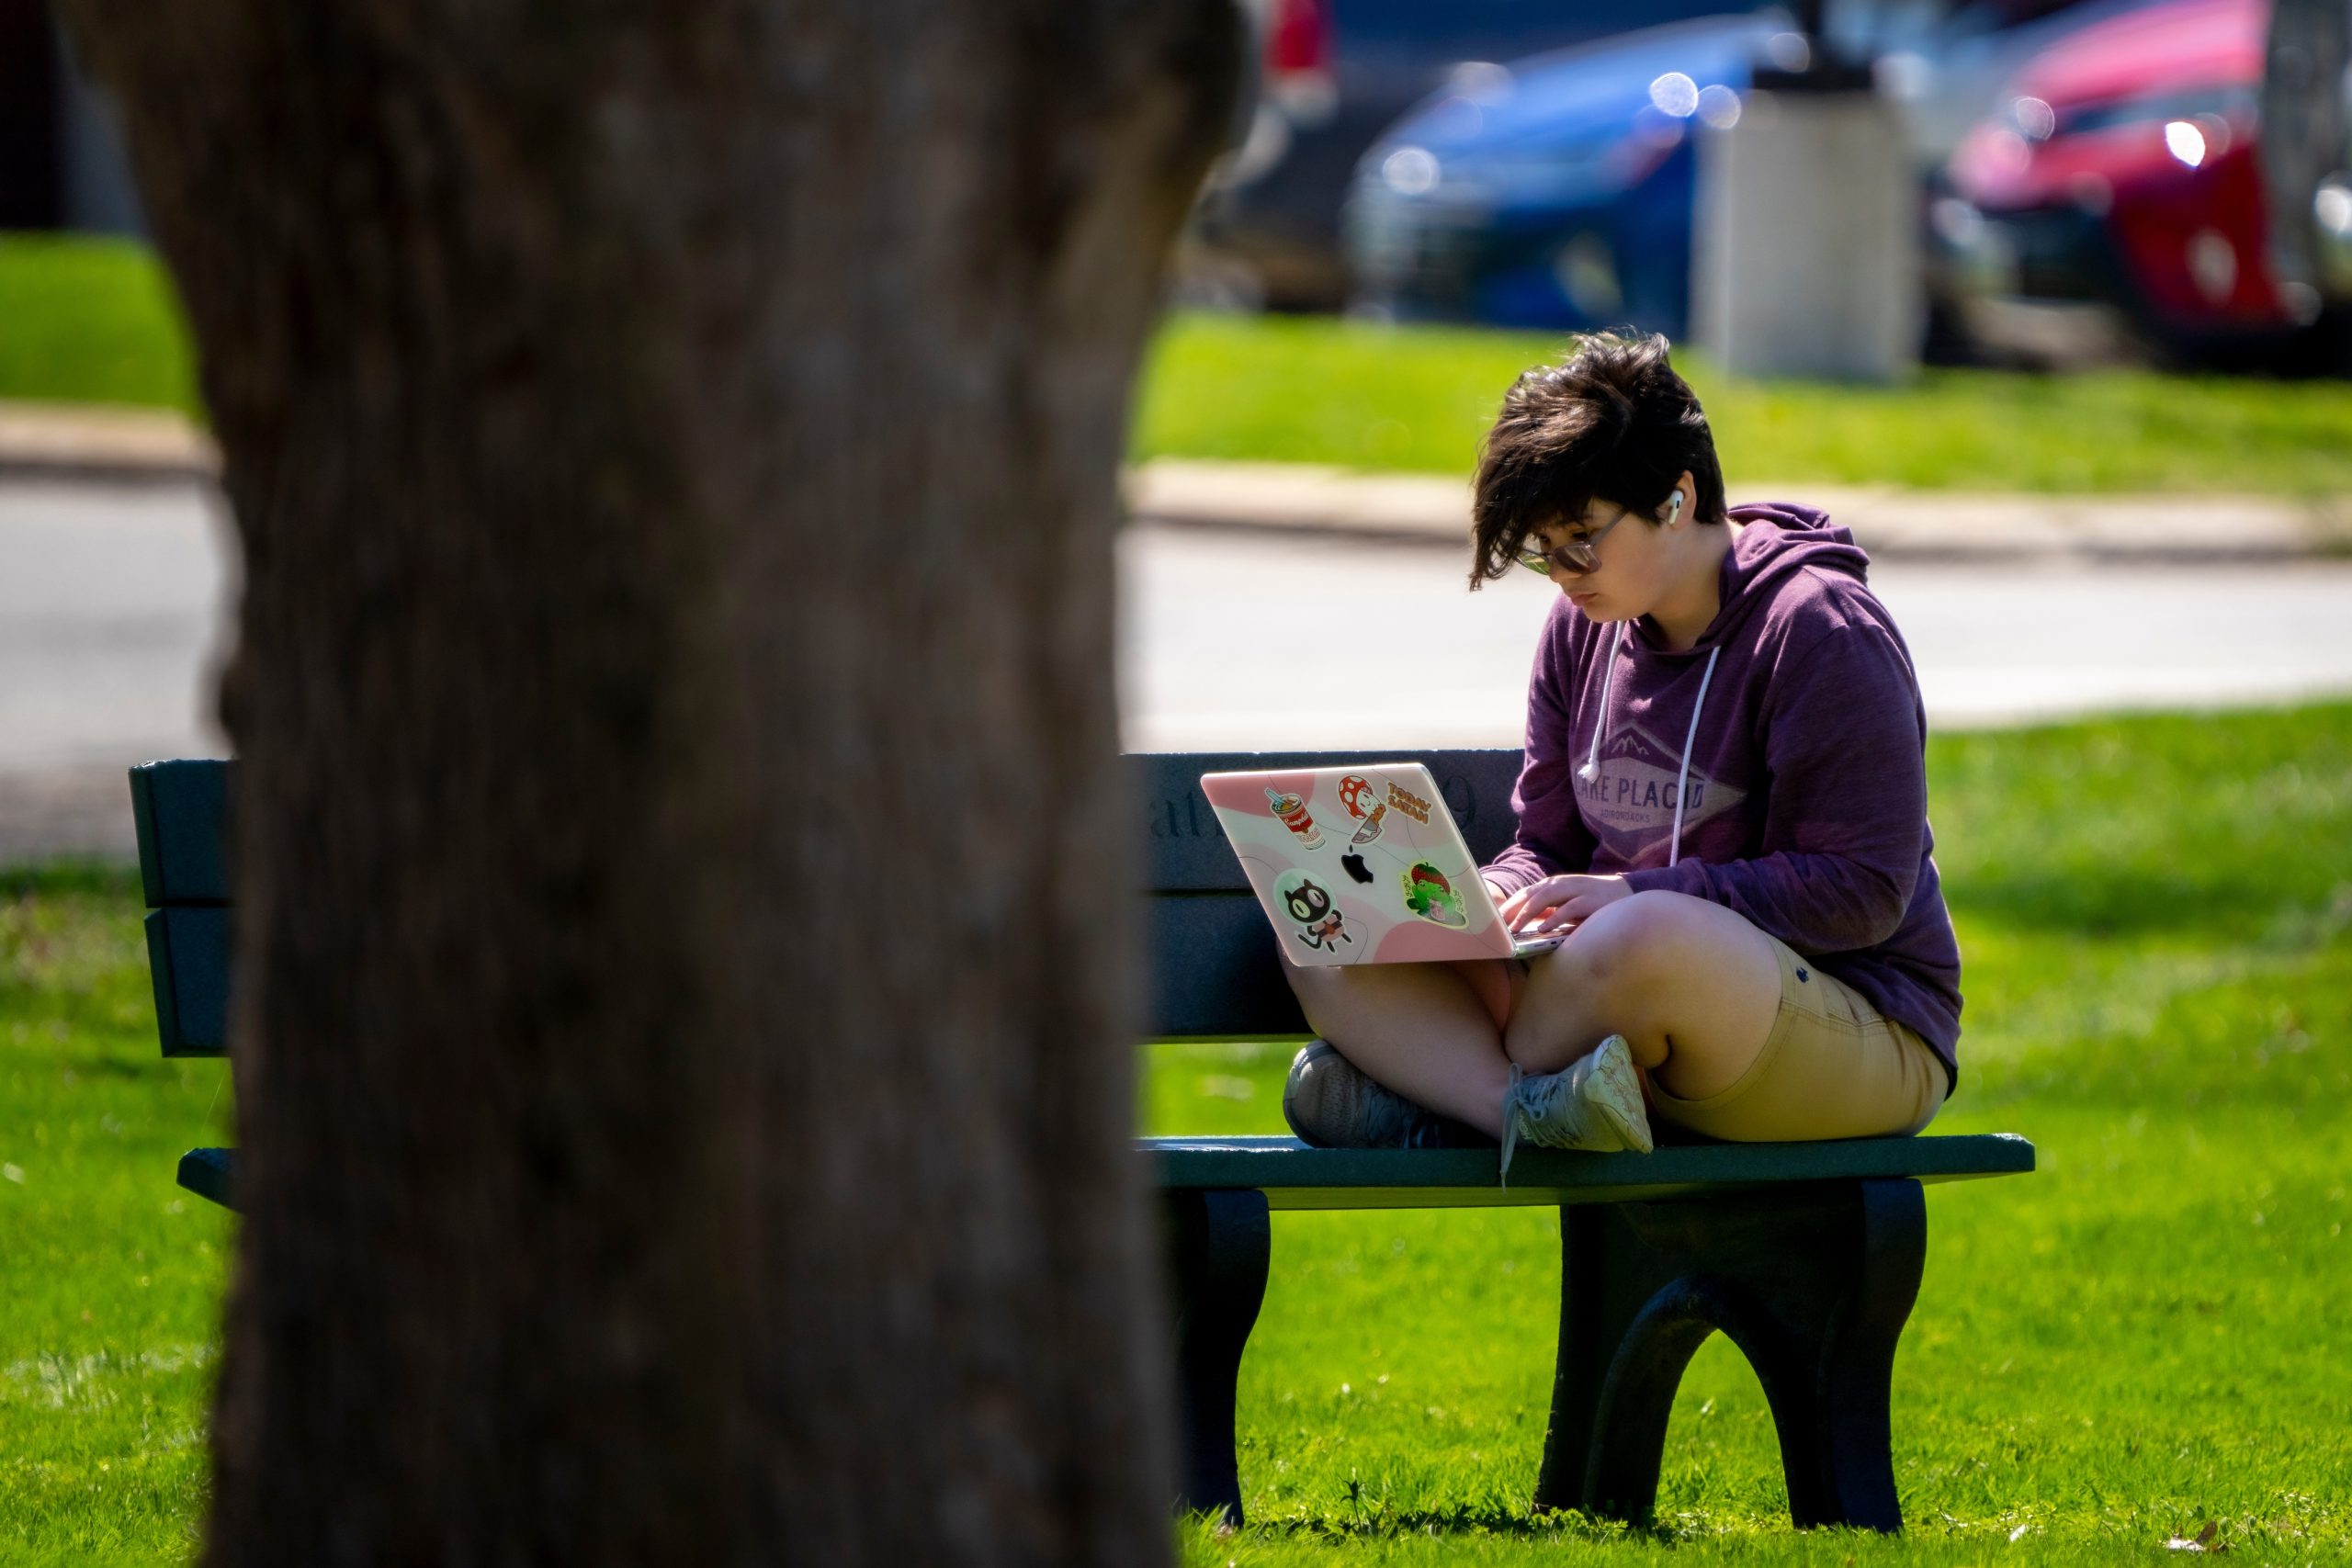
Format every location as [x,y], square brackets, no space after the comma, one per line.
[1807,1256]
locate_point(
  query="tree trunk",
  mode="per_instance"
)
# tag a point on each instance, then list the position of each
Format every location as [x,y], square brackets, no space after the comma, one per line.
[682,1032]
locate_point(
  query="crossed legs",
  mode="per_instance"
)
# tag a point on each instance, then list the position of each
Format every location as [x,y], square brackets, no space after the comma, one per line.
[1691,985]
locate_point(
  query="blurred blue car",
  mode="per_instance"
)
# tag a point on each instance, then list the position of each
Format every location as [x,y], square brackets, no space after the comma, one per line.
[1557,192]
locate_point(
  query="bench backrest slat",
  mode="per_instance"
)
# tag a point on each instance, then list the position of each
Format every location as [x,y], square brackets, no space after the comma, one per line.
[1216,969]
[187,960]
[182,812]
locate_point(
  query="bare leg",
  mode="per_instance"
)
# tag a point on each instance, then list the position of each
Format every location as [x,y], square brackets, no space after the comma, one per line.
[1420,1028]
[1691,986]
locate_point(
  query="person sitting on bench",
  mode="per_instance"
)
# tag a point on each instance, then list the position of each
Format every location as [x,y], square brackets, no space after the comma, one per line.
[1723,800]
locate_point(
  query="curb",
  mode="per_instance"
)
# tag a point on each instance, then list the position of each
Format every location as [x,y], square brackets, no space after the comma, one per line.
[1890,524]
[90,443]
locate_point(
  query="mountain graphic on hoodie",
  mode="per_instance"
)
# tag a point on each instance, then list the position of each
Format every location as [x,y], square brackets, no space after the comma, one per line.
[1629,804]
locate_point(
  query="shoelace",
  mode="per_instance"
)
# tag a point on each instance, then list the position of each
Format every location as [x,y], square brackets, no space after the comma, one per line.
[1539,1098]
[1428,1132]
[1511,1115]
[1511,1123]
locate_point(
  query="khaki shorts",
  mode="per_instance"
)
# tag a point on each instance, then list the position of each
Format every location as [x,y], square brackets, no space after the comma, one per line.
[1832,1067]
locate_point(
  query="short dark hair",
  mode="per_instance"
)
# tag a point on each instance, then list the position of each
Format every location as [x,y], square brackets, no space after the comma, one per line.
[1613,422]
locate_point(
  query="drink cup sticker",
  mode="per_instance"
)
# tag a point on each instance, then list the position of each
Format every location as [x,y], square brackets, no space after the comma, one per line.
[1294,814]
[1309,904]
[1429,896]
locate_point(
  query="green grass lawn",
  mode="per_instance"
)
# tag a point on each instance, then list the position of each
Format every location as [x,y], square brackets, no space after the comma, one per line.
[1316,390]
[109,1275]
[84,320]
[90,321]
[2141,1338]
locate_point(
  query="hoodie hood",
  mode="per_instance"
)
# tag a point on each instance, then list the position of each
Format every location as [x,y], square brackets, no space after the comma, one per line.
[1777,538]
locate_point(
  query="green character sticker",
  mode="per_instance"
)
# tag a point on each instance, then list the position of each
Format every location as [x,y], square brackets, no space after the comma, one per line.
[1431,898]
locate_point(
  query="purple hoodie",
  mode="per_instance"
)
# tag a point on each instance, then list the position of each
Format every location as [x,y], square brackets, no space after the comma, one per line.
[1805,806]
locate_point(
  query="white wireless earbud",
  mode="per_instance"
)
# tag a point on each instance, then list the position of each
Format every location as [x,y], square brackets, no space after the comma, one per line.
[1674,508]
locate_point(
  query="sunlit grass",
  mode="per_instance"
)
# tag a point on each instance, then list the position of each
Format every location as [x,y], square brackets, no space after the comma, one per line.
[1316,390]
[90,321]
[109,1275]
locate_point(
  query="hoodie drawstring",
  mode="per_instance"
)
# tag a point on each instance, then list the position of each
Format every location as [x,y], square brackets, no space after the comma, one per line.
[1682,778]
[1591,768]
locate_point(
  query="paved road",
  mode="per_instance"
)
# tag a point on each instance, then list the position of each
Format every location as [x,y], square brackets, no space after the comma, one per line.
[112,610]
[110,604]
[1247,640]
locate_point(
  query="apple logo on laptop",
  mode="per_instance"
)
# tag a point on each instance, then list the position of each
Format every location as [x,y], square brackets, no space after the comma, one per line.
[1353,865]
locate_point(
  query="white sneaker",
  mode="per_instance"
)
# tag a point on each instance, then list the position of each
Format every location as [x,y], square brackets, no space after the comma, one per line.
[1594,1104]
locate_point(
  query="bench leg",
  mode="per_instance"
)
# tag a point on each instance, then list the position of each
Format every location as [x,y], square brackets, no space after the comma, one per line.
[1814,1286]
[1219,1244]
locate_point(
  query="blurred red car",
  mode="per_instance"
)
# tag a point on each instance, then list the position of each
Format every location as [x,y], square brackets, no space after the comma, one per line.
[2116,197]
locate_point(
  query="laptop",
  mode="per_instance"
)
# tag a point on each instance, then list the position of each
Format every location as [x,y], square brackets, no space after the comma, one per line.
[1363,865]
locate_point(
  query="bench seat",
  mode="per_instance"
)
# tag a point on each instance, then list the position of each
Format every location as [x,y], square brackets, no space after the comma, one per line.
[1294,1175]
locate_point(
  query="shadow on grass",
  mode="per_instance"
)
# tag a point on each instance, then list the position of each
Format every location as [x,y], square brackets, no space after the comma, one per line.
[49,879]
[114,1067]
[1361,1519]
[2084,901]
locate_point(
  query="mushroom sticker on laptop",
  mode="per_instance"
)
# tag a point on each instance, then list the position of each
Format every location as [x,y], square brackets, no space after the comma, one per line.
[1356,794]
[1429,896]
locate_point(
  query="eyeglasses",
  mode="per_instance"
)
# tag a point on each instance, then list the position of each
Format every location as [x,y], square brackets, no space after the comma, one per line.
[1577,557]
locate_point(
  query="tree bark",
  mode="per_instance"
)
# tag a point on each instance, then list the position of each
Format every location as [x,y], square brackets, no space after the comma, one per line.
[683,1011]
